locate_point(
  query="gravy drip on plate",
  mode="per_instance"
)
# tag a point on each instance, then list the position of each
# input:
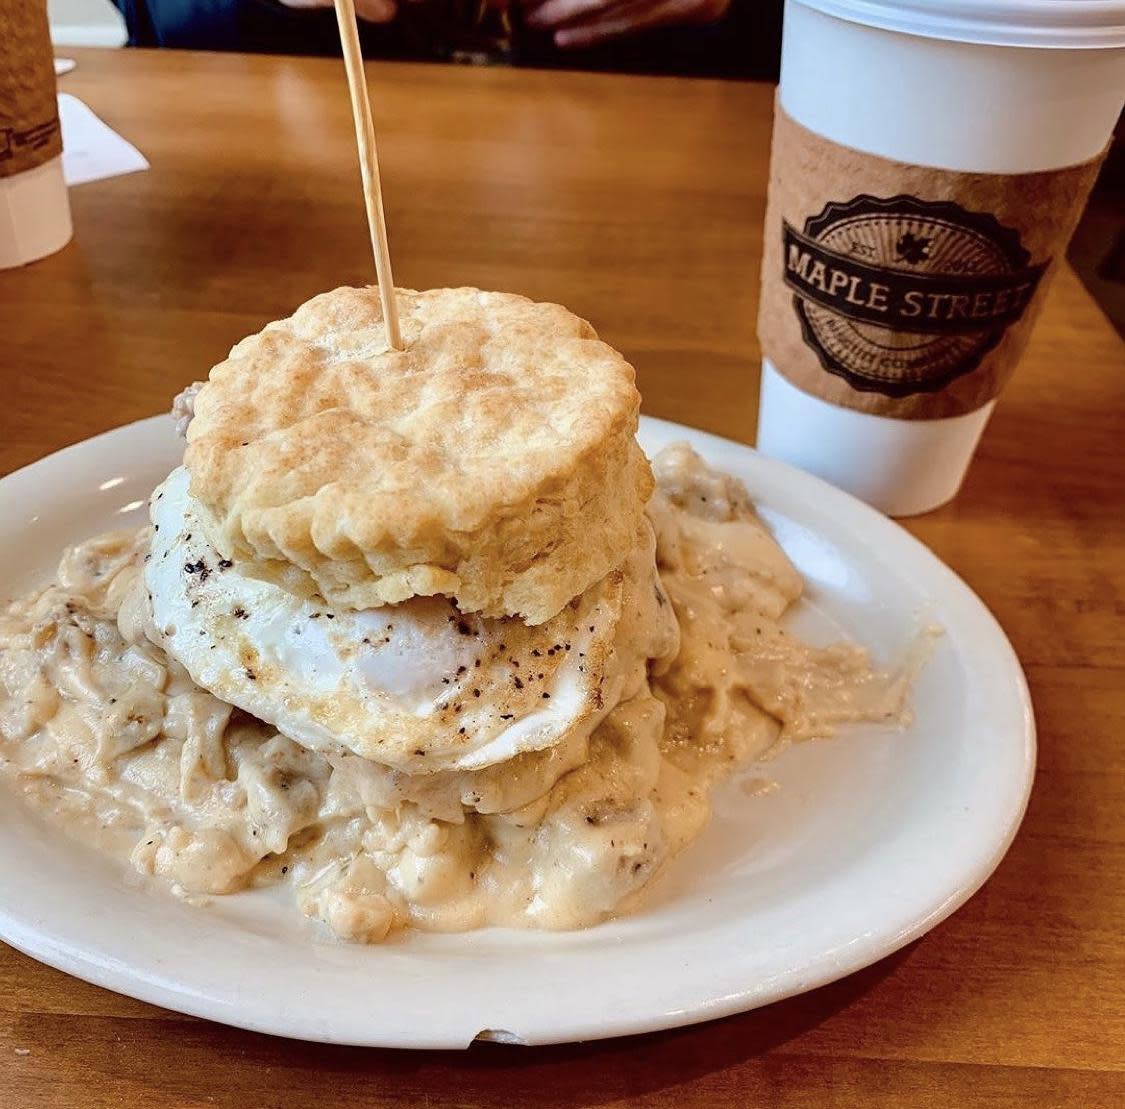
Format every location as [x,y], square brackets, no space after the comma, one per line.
[108,736]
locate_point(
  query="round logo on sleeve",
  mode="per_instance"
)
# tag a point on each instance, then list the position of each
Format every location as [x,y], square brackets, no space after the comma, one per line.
[901,295]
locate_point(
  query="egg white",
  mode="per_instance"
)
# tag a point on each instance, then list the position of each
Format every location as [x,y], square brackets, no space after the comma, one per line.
[417,686]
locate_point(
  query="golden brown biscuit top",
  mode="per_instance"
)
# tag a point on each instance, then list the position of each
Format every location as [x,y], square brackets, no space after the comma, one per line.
[314,431]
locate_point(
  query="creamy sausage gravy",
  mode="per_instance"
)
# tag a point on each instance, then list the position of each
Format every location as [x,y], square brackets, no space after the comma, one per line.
[107,735]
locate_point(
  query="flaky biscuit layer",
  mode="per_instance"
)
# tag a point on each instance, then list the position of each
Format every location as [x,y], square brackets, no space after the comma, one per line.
[492,460]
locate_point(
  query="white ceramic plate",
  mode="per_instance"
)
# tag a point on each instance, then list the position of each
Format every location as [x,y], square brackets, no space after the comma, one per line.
[871,839]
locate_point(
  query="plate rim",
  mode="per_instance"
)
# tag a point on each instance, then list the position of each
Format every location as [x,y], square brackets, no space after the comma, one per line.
[51,946]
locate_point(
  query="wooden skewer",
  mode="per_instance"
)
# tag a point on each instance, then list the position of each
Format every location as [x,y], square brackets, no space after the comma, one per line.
[369,167]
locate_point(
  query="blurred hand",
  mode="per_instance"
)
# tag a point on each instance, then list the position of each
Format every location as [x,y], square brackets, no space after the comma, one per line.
[374,11]
[579,23]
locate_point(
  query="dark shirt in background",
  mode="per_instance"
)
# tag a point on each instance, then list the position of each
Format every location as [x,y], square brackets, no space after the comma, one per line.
[745,43]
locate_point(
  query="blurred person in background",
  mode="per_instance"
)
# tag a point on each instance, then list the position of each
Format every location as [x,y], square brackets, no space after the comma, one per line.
[730,38]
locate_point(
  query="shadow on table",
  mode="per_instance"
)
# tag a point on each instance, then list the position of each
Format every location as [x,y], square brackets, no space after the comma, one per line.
[489,1074]
[161,1060]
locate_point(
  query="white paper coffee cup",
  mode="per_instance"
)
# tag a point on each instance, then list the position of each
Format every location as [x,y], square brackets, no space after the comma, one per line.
[34,206]
[1000,87]
[34,214]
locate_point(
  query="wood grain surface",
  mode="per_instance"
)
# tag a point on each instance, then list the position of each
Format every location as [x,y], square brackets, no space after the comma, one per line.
[637,202]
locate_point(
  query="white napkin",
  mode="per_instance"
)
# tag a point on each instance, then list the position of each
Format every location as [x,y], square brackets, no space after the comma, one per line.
[91,149]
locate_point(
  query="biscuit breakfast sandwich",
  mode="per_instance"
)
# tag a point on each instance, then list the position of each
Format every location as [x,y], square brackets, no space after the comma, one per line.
[418,634]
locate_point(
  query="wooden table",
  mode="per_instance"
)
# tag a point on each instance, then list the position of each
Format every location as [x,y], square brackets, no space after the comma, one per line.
[637,202]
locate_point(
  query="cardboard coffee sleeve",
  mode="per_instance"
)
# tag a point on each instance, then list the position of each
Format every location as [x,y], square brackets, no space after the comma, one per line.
[29,117]
[904,290]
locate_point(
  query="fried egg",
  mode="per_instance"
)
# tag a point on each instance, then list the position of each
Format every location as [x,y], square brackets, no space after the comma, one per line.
[417,686]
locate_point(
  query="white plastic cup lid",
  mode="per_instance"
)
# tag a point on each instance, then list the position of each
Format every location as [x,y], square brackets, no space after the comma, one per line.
[1050,24]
